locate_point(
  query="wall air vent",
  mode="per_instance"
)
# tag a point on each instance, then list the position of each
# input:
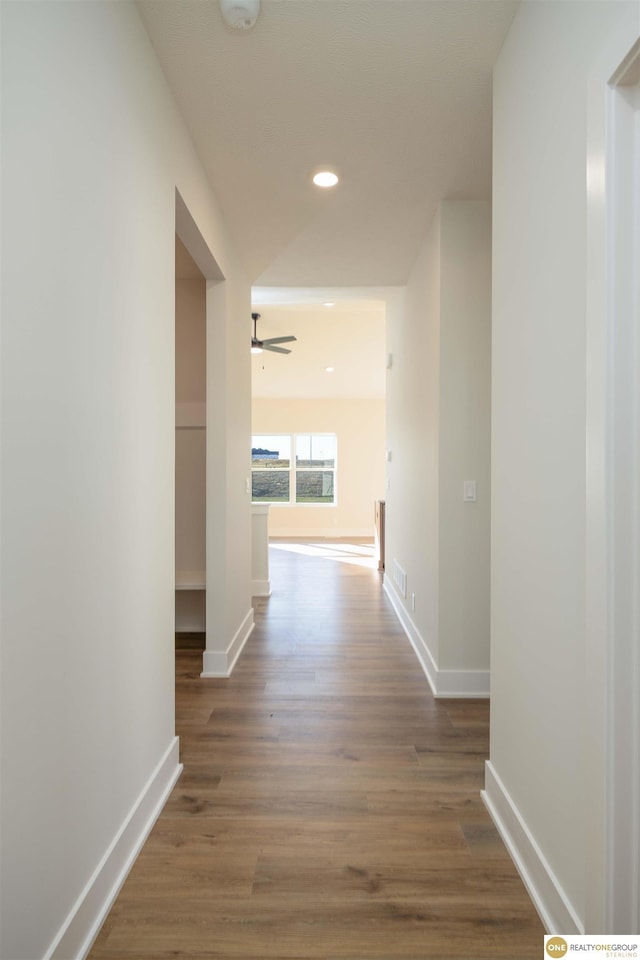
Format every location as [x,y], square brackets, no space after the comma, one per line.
[400,578]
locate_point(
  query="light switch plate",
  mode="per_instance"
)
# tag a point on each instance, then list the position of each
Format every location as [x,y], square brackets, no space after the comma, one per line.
[469,494]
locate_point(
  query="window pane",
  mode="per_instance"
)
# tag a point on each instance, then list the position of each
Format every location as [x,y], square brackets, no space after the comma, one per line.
[316,450]
[270,486]
[303,449]
[314,486]
[271,452]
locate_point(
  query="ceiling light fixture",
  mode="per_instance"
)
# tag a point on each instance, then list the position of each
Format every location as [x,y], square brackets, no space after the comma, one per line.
[330,369]
[329,303]
[240,14]
[325,178]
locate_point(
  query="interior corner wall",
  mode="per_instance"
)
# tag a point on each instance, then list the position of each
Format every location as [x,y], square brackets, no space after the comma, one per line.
[360,429]
[539,738]
[93,151]
[438,423]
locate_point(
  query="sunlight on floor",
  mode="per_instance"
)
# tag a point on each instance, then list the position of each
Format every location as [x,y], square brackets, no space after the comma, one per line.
[358,554]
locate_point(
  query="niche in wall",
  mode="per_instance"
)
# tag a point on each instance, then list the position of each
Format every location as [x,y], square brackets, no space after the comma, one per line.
[190,503]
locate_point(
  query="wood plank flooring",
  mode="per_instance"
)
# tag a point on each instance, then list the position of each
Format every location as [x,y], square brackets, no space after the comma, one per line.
[329,808]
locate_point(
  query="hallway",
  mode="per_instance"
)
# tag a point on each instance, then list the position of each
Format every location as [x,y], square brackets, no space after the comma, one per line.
[329,806]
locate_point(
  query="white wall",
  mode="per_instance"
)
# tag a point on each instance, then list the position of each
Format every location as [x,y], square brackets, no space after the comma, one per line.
[438,422]
[93,150]
[537,776]
[413,436]
[465,430]
[360,429]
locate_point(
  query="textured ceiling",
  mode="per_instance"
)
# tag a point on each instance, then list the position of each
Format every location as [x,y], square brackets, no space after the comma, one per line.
[393,94]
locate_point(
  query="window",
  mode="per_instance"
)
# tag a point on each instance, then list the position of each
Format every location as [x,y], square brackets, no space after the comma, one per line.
[315,467]
[271,469]
[307,479]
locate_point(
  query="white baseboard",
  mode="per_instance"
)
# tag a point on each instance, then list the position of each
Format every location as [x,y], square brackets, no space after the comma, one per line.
[556,911]
[443,683]
[260,588]
[220,663]
[422,651]
[83,923]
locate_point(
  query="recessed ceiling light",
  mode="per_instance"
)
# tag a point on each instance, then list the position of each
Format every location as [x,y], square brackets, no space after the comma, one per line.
[325,178]
[329,303]
[330,369]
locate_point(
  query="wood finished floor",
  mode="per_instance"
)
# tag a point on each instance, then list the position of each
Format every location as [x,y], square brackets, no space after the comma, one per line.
[329,807]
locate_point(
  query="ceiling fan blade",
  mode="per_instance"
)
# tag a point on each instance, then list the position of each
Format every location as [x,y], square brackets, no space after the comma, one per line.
[279,340]
[258,345]
[267,346]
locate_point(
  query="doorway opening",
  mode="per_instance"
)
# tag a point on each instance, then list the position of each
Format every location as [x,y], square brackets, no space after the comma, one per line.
[199,514]
[318,413]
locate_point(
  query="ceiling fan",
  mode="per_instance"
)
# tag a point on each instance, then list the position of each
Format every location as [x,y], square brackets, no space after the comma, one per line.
[257,346]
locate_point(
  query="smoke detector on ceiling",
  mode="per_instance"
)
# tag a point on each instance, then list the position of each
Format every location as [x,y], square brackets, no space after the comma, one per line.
[240,14]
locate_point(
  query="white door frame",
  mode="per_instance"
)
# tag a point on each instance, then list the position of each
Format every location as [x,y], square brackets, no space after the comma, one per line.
[612,686]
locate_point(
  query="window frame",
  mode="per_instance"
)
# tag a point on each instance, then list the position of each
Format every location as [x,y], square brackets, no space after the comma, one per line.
[293,470]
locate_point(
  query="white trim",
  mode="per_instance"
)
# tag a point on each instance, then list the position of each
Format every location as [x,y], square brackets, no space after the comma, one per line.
[444,683]
[220,663]
[83,923]
[623,747]
[556,910]
[612,528]
[464,683]
[261,588]
[422,651]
